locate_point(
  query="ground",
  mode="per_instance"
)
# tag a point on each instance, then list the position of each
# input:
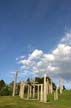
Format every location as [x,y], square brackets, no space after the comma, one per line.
[15,102]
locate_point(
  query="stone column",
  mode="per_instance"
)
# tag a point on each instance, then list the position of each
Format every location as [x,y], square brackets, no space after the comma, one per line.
[30,91]
[22,90]
[14,88]
[45,89]
[33,91]
[56,94]
[41,93]
[38,91]
[60,86]
[47,86]
[51,87]
[14,84]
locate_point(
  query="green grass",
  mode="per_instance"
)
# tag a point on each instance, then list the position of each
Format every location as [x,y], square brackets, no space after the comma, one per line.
[15,102]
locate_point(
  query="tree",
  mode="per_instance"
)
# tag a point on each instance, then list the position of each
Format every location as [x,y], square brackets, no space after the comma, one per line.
[64,88]
[4,91]
[54,86]
[41,80]
[2,84]
[10,87]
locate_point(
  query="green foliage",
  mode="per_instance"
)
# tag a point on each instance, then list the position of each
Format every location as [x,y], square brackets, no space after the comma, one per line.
[3,88]
[2,84]
[64,88]
[26,89]
[17,88]
[41,80]
[54,86]
[10,87]
[4,91]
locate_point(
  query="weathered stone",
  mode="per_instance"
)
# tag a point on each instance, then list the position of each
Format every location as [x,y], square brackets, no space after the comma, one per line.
[33,91]
[47,86]
[45,89]
[50,87]
[21,94]
[14,84]
[60,86]
[30,91]
[38,91]
[41,93]
[56,94]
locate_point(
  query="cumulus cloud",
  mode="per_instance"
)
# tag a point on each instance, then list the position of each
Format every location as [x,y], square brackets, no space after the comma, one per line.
[56,64]
[36,53]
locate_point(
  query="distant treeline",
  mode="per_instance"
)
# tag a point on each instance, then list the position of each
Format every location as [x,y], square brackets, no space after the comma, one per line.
[7,89]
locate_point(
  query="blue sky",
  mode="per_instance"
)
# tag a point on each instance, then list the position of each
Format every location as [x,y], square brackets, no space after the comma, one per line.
[26,25]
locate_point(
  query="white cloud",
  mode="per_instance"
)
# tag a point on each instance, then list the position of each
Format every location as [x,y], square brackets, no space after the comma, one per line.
[25,62]
[49,57]
[36,53]
[56,64]
[21,57]
[13,72]
[67,39]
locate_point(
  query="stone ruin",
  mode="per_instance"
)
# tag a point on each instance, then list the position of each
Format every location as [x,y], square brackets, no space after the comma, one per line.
[42,90]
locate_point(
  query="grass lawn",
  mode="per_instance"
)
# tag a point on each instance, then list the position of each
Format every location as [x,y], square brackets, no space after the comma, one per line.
[15,102]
